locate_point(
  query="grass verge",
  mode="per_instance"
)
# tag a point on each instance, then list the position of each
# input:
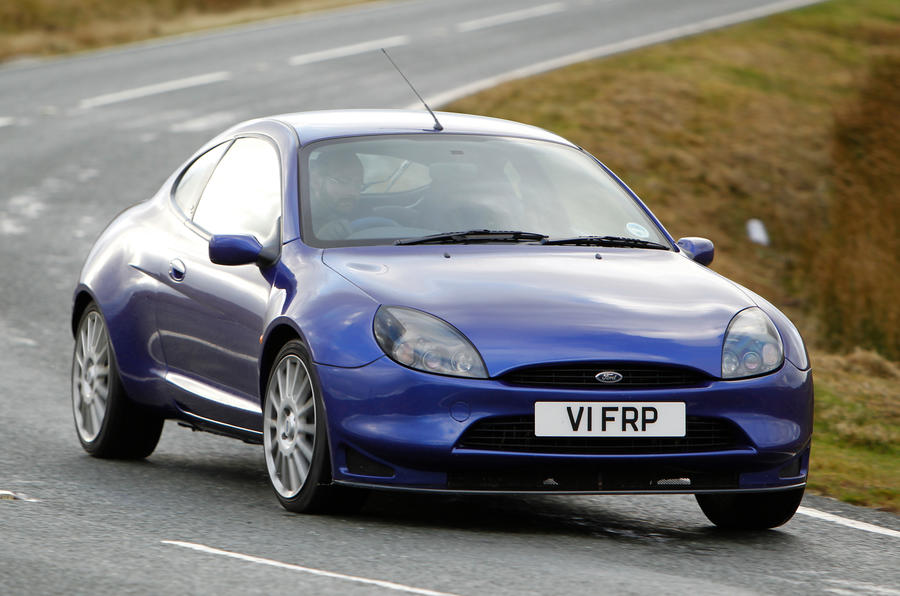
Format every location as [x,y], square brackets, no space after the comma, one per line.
[794,120]
[45,27]
[856,445]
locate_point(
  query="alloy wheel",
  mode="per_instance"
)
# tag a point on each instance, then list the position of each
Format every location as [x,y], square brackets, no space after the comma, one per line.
[90,377]
[289,426]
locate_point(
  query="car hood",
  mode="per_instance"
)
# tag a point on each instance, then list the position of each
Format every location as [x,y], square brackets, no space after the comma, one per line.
[527,304]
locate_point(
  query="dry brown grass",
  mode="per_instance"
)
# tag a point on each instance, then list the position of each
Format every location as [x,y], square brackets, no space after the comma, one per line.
[41,27]
[855,269]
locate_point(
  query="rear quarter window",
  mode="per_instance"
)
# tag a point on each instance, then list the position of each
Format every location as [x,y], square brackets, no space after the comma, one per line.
[193,180]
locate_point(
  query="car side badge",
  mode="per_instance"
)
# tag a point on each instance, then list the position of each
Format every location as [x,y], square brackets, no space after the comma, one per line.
[437,125]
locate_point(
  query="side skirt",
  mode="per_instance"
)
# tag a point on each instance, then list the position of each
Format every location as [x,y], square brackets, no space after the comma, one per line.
[199,423]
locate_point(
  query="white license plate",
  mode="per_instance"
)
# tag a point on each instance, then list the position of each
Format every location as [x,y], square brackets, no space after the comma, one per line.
[609,419]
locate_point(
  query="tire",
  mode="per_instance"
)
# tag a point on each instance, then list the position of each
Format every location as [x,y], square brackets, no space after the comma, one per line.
[295,439]
[751,511]
[108,424]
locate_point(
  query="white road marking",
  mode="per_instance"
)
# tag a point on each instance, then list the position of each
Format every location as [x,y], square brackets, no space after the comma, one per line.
[6,121]
[10,227]
[216,120]
[156,89]
[86,174]
[351,50]
[614,48]
[850,523]
[25,206]
[352,578]
[510,17]
[86,225]
[8,495]
[860,588]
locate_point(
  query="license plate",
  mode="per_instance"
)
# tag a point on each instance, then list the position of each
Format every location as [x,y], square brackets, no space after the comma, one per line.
[609,419]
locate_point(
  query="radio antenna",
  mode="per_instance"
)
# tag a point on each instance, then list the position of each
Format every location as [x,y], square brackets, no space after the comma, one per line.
[437,125]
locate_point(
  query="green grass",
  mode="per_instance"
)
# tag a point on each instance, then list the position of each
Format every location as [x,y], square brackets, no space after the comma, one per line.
[792,119]
[856,444]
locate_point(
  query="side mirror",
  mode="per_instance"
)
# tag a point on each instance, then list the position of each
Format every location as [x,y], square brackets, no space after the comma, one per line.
[700,250]
[228,249]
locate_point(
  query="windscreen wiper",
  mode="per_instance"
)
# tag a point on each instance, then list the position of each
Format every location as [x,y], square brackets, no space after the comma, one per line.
[615,241]
[472,236]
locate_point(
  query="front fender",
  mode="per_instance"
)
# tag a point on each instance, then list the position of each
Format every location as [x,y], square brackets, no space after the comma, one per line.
[333,316]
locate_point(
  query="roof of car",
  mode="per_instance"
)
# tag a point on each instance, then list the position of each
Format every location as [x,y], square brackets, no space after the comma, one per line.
[326,124]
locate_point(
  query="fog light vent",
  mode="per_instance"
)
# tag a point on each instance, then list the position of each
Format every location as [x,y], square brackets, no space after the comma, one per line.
[791,470]
[357,463]
[673,482]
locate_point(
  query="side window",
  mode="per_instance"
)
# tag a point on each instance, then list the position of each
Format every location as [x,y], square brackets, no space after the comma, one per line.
[243,195]
[192,181]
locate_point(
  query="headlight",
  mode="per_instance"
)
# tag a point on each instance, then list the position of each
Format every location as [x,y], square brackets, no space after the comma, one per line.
[424,342]
[752,346]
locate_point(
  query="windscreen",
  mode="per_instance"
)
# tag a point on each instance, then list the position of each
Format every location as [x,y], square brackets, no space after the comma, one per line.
[376,190]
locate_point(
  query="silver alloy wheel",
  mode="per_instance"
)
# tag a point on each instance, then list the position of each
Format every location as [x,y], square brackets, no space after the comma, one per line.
[289,426]
[90,377]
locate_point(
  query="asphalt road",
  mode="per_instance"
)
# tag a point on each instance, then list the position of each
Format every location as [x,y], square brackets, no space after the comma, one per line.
[81,138]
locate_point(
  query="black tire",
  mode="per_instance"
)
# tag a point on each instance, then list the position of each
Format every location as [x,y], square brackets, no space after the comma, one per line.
[751,511]
[288,417]
[108,424]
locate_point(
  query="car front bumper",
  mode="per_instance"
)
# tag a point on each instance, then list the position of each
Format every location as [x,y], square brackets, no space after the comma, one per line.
[392,427]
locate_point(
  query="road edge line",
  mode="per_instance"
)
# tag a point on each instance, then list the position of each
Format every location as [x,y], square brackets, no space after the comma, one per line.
[310,570]
[845,521]
[445,97]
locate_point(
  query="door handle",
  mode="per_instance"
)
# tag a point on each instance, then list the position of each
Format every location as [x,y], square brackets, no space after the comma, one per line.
[177,270]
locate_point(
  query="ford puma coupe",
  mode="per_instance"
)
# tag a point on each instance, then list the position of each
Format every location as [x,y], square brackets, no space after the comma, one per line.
[478,306]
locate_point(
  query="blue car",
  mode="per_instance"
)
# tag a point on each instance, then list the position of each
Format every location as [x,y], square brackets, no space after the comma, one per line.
[472,306]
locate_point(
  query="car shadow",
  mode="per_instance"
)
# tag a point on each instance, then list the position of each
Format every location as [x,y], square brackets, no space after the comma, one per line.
[670,519]
[202,471]
[575,516]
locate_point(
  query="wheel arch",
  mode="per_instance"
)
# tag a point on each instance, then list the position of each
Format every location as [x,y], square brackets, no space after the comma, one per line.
[280,332]
[83,299]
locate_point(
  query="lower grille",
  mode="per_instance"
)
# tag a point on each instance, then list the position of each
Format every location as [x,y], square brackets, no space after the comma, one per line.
[516,434]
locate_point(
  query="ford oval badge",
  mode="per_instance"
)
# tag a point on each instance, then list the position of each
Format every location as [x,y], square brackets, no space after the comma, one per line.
[608,376]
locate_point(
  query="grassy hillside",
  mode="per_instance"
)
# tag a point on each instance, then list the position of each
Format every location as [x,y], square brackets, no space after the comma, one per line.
[795,120]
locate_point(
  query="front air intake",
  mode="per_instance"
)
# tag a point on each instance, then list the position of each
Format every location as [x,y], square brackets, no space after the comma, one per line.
[516,434]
